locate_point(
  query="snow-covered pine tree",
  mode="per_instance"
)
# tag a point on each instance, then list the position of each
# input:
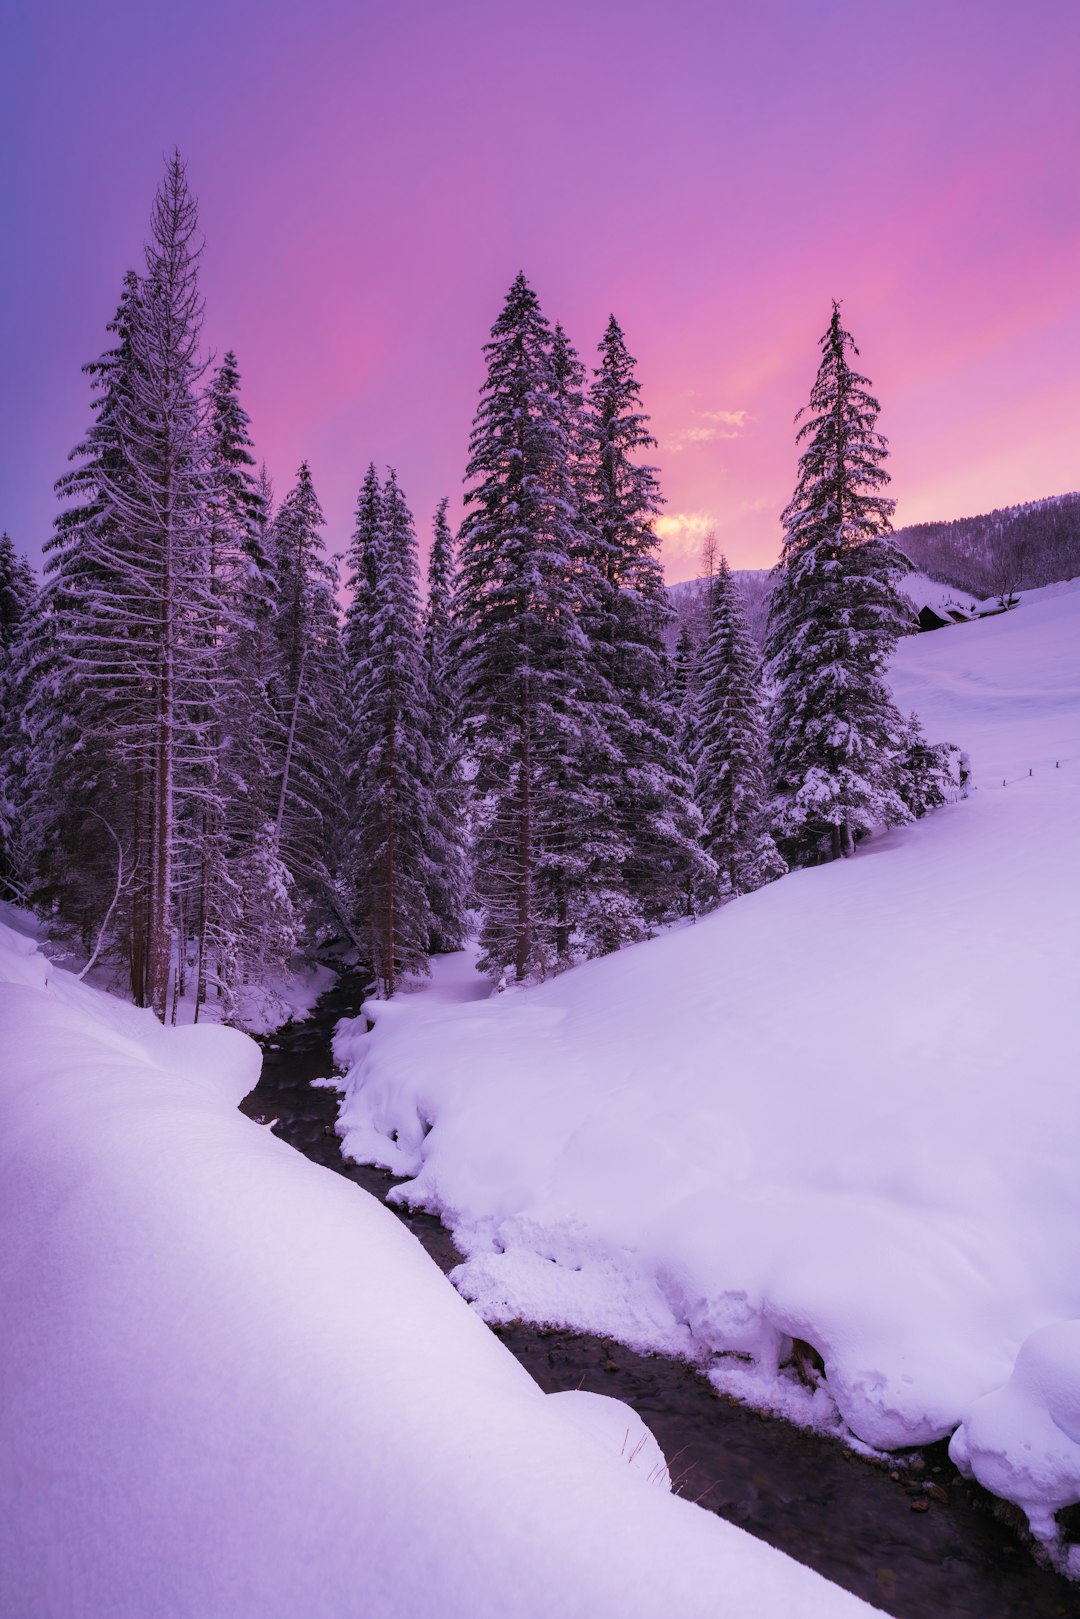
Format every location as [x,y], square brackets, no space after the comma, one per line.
[684,688]
[449,892]
[18,611]
[604,913]
[363,568]
[731,781]
[79,801]
[362,562]
[246,927]
[168,670]
[394,826]
[308,691]
[837,738]
[524,663]
[131,602]
[653,793]
[931,773]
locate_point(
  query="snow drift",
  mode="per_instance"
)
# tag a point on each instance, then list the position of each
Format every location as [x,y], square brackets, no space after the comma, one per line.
[842,1110]
[234,1386]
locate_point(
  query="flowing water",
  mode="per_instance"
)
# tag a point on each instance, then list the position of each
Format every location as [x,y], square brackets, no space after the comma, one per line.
[920,1543]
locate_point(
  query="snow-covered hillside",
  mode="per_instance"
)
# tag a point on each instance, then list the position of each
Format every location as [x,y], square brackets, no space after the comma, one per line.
[841,1110]
[232,1386]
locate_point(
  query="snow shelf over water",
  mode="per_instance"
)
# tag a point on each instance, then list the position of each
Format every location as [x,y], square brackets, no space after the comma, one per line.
[843,1110]
[234,1387]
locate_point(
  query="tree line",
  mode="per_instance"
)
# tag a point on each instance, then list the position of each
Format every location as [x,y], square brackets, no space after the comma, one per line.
[207,766]
[999,552]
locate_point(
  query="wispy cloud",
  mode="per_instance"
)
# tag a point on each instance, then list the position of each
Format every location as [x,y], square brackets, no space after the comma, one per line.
[710,424]
[727,418]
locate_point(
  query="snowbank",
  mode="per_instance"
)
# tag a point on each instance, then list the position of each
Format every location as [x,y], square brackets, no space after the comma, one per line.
[234,1387]
[842,1110]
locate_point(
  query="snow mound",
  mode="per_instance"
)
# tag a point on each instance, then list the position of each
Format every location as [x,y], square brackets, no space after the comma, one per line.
[234,1385]
[1023,1440]
[832,1124]
[618,1429]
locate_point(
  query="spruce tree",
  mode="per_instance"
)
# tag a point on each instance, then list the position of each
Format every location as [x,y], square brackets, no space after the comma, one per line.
[163,597]
[836,613]
[731,780]
[395,807]
[246,928]
[308,692]
[449,891]
[362,562]
[653,794]
[605,913]
[542,851]
[132,603]
[684,693]
[79,797]
[18,610]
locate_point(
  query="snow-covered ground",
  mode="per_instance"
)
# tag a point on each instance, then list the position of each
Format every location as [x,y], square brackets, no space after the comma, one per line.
[232,1386]
[843,1110]
[922,591]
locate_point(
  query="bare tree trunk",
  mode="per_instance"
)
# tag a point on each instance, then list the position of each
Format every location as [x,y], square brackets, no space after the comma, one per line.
[121,883]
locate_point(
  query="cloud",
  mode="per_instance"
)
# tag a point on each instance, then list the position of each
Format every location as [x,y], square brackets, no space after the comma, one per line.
[681,535]
[684,525]
[719,424]
[728,418]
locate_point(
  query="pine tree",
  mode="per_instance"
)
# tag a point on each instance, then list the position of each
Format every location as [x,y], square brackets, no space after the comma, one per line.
[362,561]
[931,773]
[836,613]
[731,783]
[163,586]
[395,807]
[449,890]
[132,603]
[684,694]
[308,691]
[605,914]
[246,927]
[542,849]
[79,799]
[653,796]
[18,610]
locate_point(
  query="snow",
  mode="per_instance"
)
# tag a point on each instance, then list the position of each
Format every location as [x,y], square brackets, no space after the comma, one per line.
[922,591]
[842,1109]
[1023,1440]
[234,1385]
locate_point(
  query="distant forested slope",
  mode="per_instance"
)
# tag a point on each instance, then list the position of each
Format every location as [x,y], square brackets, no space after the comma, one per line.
[1016,548]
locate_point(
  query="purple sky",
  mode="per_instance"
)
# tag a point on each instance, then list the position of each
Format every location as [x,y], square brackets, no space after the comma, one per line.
[371,177]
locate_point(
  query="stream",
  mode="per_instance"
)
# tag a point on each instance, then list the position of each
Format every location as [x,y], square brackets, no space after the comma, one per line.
[918,1543]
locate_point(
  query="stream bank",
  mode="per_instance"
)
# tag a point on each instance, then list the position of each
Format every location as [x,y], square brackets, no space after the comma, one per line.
[916,1543]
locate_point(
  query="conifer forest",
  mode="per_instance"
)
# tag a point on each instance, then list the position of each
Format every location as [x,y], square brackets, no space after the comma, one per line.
[220,751]
[539,858]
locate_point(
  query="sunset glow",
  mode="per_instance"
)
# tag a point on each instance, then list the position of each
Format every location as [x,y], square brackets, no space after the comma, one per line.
[371,176]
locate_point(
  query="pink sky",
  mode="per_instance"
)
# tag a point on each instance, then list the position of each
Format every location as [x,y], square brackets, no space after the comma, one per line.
[371,177]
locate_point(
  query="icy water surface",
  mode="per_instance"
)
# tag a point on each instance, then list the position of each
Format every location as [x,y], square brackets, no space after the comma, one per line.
[920,1544]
